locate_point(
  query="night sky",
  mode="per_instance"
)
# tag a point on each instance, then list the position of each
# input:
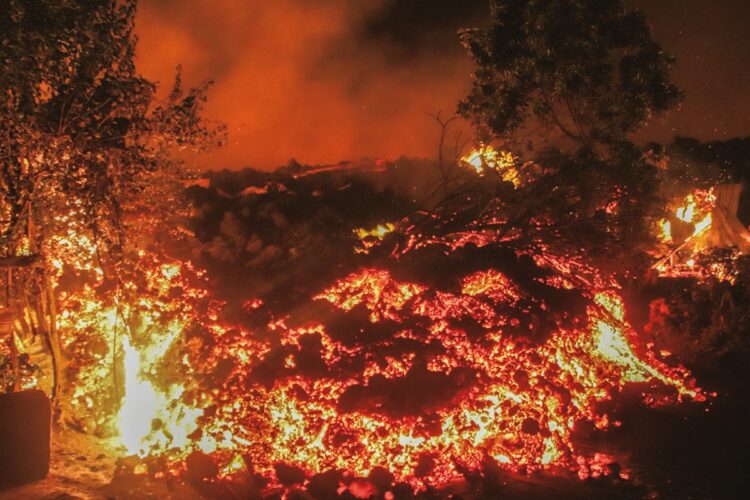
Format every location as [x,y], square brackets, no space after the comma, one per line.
[330,80]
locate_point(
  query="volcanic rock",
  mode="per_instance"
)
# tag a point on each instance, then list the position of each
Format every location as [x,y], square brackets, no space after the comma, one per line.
[381,478]
[200,467]
[289,474]
[325,485]
[530,426]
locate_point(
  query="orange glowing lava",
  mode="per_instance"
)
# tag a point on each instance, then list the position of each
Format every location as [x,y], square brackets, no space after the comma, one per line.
[422,381]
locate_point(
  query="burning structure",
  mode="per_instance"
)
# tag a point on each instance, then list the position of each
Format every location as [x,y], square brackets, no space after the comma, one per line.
[705,221]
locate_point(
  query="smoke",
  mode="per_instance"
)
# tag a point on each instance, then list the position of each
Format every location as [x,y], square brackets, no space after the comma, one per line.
[320,81]
[330,80]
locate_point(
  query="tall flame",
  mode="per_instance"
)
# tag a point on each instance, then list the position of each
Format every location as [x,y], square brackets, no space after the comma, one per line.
[140,404]
[152,418]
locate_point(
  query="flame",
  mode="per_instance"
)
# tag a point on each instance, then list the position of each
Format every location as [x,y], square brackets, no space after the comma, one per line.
[702,225]
[486,158]
[695,210]
[140,405]
[379,232]
[687,212]
[150,418]
[665,231]
[368,238]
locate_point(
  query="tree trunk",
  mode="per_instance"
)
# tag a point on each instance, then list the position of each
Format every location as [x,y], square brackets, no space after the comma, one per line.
[50,319]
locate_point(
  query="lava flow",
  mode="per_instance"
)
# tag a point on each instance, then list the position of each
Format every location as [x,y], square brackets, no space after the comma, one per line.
[425,381]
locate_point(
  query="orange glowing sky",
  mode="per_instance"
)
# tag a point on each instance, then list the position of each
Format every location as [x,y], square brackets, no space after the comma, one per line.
[328,80]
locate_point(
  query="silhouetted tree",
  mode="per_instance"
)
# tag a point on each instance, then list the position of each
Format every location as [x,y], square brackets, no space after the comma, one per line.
[587,69]
[566,83]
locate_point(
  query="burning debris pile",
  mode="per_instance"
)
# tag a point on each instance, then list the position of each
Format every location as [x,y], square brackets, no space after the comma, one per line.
[495,359]
[702,236]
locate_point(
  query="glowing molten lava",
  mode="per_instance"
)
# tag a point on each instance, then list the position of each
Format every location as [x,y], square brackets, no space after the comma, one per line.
[491,393]
[426,381]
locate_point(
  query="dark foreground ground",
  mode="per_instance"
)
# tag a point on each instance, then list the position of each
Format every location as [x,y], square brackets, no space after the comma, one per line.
[694,451]
[699,451]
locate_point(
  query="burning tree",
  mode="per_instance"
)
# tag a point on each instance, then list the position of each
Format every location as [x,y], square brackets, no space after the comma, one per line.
[570,81]
[86,147]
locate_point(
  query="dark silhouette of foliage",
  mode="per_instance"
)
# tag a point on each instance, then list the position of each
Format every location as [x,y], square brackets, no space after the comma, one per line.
[81,128]
[564,83]
[588,70]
